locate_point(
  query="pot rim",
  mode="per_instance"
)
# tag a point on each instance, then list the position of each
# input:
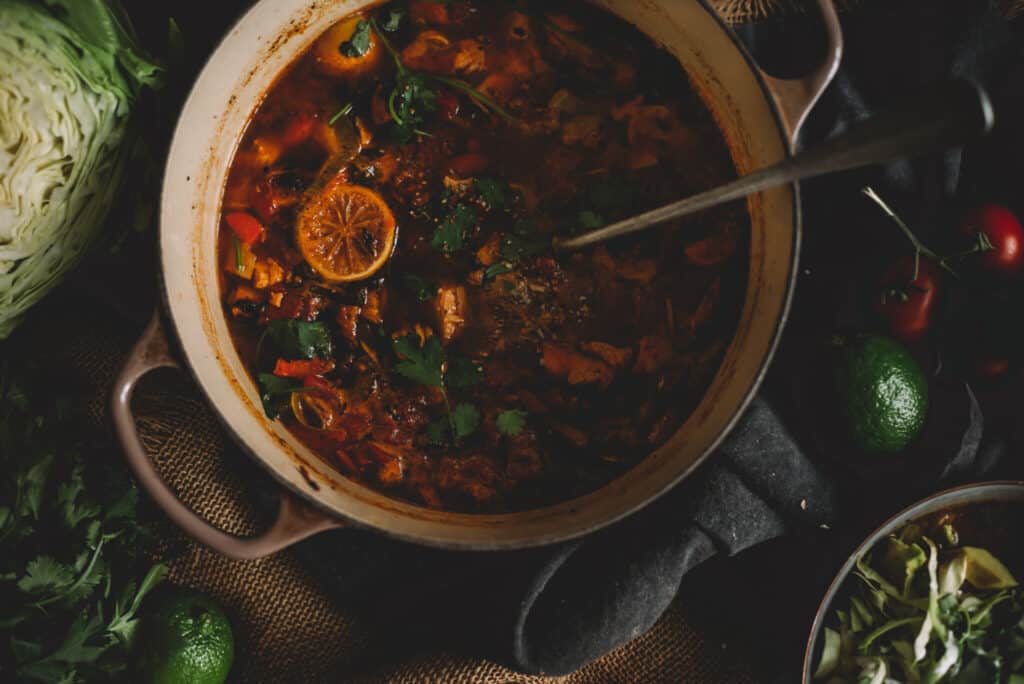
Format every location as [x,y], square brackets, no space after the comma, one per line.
[578,531]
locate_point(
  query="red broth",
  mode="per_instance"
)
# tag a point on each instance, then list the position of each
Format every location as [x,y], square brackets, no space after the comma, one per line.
[388,274]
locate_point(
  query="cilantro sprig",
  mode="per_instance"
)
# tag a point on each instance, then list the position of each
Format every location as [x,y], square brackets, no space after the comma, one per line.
[429,365]
[414,96]
[69,541]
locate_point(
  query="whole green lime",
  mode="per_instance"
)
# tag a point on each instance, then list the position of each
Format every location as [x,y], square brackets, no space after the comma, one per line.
[883,393]
[186,640]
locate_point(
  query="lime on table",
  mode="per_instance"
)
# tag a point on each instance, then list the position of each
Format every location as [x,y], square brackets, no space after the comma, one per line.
[883,393]
[186,640]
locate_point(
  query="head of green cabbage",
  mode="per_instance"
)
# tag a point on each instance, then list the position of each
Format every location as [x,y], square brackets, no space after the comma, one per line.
[70,75]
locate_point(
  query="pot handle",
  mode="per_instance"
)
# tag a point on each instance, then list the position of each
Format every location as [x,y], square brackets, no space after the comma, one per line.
[295,520]
[796,97]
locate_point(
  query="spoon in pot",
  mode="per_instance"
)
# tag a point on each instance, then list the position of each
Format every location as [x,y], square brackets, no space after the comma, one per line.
[955,113]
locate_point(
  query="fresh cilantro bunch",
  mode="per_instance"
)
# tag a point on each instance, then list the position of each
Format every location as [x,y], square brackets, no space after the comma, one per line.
[71,579]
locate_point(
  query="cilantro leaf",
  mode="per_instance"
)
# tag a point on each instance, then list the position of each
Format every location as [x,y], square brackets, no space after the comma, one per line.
[495,270]
[423,289]
[422,366]
[45,575]
[511,423]
[394,20]
[273,389]
[74,650]
[496,194]
[301,339]
[465,420]
[523,242]
[438,432]
[359,44]
[450,236]
[412,100]
[590,220]
[463,372]
[124,623]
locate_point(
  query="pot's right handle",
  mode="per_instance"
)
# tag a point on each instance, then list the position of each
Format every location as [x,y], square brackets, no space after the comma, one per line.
[295,521]
[796,97]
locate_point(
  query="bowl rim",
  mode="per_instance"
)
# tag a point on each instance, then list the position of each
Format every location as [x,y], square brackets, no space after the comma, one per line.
[971,493]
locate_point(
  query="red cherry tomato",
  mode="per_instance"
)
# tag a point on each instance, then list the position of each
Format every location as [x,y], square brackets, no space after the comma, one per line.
[990,367]
[1003,231]
[908,304]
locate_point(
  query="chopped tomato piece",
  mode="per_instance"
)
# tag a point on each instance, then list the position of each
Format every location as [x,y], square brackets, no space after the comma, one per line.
[316,381]
[298,130]
[302,369]
[468,164]
[248,229]
[428,11]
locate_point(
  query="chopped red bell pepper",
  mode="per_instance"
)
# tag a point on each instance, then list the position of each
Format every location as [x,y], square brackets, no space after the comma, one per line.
[248,229]
[298,130]
[302,369]
[316,381]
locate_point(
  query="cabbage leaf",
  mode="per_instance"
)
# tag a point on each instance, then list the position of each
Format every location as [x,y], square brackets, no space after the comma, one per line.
[70,75]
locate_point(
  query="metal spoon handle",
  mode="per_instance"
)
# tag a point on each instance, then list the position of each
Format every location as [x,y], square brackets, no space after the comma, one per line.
[948,116]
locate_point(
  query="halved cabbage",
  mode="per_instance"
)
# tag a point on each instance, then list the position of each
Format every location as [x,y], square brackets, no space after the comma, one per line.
[70,74]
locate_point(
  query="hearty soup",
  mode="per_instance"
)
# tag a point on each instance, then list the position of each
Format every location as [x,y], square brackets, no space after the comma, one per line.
[388,271]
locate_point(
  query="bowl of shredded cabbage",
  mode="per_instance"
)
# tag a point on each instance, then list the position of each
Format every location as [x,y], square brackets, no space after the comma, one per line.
[931,596]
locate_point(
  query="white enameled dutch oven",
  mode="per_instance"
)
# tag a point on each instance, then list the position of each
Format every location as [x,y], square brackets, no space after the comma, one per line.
[760,117]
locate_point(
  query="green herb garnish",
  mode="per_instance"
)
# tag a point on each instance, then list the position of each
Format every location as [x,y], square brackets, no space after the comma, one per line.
[70,543]
[239,259]
[463,372]
[450,236]
[590,220]
[300,339]
[426,365]
[359,44]
[394,19]
[423,289]
[421,365]
[344,111]
[414,96]
[273,389]
[523,242]
[512,422]
[465,420]
[495,270]
[495,193]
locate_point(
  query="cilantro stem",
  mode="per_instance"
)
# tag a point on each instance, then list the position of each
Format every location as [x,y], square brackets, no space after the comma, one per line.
[478,97]
[344,111]
[239,260]
[481,99]
[448,411]
[388,46]
[85,573]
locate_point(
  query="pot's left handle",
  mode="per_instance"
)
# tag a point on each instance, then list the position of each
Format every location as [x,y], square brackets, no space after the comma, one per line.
[295,520]
[796,97]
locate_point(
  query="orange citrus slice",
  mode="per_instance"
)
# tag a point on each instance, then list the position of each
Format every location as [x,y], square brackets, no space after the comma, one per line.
[346,232]
[336,60]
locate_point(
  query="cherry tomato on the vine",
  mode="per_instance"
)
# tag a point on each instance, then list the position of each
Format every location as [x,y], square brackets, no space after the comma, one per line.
[908,304]
[1003,252]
